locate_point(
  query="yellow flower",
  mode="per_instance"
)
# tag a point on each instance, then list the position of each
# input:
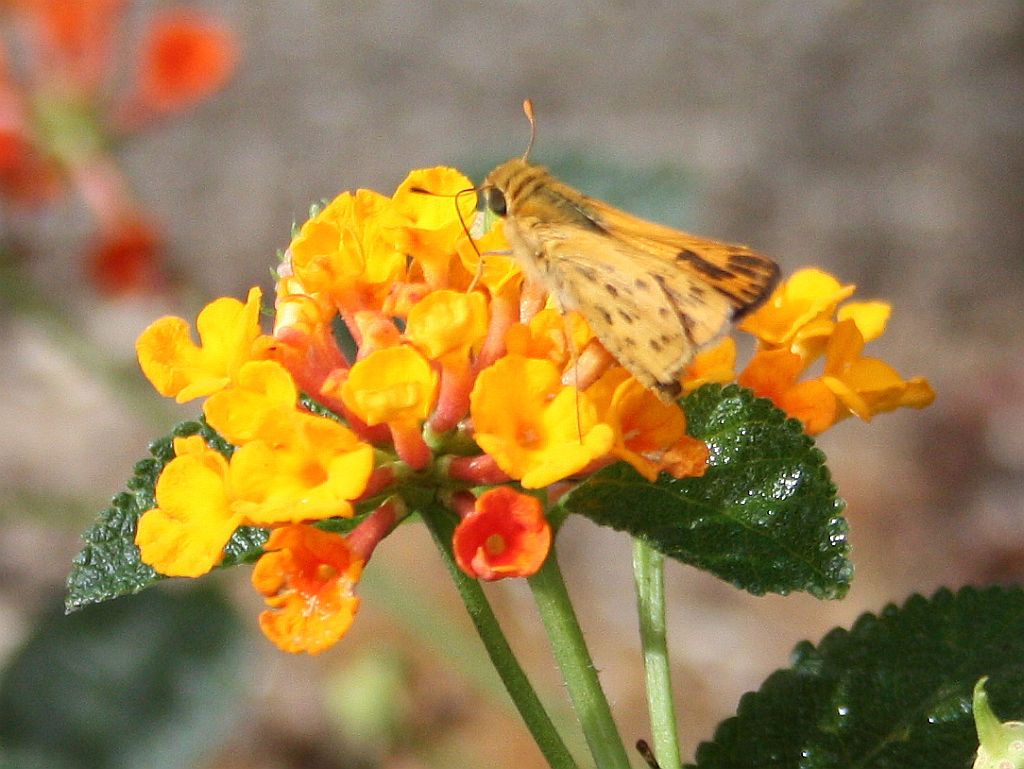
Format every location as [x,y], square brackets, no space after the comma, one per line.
[537,430]
[290,465]
[343,253]
[259,405]
[486,258]
[450,327]
[179,368]
[392,385]
[398,387]
[448,324]
[427,224]
[185,534]
[314,475]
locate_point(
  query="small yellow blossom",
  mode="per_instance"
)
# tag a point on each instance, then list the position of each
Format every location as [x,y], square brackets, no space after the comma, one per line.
[260,404]
[486,258]
[179,368]
[343,253]
[448,324]
[185,534]
[394,384]
[314,474]
[868,386]
[428,214]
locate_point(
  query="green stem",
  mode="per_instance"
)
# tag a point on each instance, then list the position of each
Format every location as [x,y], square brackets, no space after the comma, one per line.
[577,668]
[649,575]
[439,522]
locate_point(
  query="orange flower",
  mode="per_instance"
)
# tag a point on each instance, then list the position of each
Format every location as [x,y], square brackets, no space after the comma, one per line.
[774,374]
[185,58]
[868,386]
[342,253]
[537,429]
[717,364]
[506,535]
[807,296]
[307,577]
[649,434]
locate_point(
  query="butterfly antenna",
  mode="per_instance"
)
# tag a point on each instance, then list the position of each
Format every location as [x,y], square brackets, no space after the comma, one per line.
[528,109]
[469,236]
[462,221]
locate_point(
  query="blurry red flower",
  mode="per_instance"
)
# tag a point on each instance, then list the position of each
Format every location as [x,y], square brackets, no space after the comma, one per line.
[185,58]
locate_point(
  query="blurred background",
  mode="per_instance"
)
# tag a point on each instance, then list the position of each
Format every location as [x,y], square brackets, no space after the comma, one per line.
[883,142]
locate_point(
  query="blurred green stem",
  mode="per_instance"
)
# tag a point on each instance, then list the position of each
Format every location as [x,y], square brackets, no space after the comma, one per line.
[649,576]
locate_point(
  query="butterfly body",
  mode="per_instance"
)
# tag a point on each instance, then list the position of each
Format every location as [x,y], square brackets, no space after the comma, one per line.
[654,296]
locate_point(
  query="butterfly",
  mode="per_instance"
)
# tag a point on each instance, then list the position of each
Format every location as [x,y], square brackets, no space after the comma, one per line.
[653,296]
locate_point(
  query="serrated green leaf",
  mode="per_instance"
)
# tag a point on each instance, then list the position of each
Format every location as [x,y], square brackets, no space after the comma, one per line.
[108,565]
[764,516]
[893,692]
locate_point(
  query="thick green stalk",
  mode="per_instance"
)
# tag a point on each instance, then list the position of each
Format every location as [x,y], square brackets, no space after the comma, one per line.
[577,668]
[649,575]
[441,526]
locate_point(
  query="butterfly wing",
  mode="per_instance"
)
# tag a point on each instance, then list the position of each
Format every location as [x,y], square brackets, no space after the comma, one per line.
[649,314]
[743,276]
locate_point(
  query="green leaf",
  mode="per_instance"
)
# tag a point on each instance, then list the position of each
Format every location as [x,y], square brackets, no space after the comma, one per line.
[893,692]
[153,681]
[764,516]
[108,565]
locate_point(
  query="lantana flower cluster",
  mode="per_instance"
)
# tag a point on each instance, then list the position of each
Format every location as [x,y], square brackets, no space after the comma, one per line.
[407,355]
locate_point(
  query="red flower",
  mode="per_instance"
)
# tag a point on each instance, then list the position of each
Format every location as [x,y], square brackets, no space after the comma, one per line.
[126,258]
[505,535]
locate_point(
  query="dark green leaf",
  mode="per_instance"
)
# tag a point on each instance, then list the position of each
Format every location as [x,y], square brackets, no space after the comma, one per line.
[894,692]
[764,516]
[151,681]
[108,565]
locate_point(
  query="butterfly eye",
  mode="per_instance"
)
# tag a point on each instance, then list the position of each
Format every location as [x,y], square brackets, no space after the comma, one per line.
[496,201]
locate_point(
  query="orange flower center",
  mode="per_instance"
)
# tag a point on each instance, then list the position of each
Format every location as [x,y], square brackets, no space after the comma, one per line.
[528,436]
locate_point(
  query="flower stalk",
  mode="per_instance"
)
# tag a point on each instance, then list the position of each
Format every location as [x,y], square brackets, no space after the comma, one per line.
[578,669]
[649,576]
[440,523]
